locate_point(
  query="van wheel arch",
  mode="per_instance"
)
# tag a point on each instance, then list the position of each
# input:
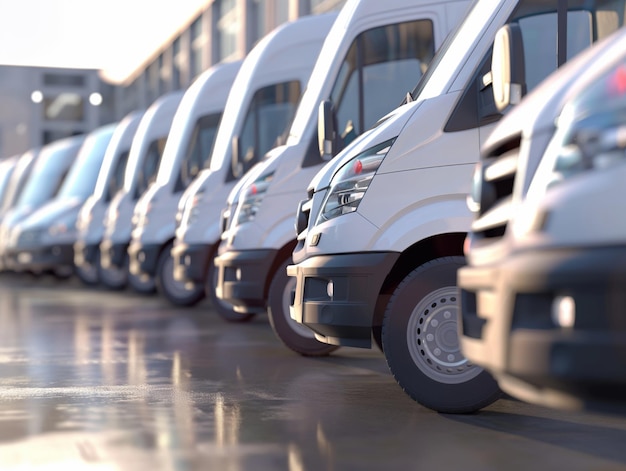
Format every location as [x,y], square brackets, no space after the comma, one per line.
[431,248]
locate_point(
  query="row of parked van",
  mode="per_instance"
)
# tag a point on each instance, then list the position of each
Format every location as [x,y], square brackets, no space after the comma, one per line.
[366,128]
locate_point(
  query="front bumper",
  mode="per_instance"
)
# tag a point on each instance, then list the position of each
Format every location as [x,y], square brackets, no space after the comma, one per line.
[191,262]
[40,259]
[113,255]
[507,324]
[143,259]
[85,254]
[242,278]
[343,315]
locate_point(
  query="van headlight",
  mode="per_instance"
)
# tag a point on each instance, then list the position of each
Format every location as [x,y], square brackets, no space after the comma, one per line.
[590,149]
[349,184]
[591,134]
[192,207]
[252,198]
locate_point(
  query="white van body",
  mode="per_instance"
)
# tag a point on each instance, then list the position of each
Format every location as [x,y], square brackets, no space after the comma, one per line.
[6,170]
[542,293]
[187,151]
[143,161]
[90,226]
[282,61]
[44,181]
[44,241]
[386,225]
[398,39]
[19,177]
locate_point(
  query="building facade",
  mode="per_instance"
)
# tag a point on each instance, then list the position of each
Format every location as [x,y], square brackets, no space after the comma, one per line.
[42,104]
[223,30]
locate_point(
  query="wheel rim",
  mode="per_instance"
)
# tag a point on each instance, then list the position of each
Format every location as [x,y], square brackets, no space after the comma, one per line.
[298,328]
[433,339]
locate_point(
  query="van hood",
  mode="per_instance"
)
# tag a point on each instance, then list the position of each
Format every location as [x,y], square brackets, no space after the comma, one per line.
[56,211]
[15,215]
[271,162]
[387,128]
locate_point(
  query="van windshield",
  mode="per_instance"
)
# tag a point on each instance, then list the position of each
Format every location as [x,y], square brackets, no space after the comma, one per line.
[18,179]
[81,179]
[48,174]
[6,171]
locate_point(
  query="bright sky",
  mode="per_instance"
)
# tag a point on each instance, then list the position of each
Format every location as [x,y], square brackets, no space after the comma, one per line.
[113,35]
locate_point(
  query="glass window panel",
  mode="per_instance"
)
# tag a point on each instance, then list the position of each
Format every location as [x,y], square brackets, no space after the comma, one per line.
[64,107]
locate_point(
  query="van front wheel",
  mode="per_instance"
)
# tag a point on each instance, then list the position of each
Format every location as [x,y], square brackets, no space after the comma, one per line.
[176,292]
[297,337]
[421,344]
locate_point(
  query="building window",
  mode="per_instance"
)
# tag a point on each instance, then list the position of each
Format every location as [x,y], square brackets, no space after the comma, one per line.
[153,82]
[227,28]
[322,6]
[64,107]
[257,20]
[176,64]
[196,65]
[50,136]
[64,80]
[281,12]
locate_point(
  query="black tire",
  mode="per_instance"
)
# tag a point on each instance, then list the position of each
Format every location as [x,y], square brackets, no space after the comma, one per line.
[63,273]
[114,278]
[223,309]
[142,286]
[90,276]
[173,290]
[297,337]
[419,327]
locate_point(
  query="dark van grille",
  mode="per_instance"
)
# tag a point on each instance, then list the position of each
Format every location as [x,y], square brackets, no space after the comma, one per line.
[498,172]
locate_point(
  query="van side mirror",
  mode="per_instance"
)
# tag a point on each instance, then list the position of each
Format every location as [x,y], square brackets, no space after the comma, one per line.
[508,70]
[327,130]
[236,165]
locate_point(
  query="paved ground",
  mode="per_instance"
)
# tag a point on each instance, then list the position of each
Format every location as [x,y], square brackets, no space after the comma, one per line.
[102,381]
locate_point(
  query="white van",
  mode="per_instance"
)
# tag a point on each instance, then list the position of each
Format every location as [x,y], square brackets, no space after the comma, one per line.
[44,241]
[17,182]
[542,297]
[187,151]
[7,166]
[396,40]
[143,162]
[387,219]
[46,177]
[259,111]
[90,226]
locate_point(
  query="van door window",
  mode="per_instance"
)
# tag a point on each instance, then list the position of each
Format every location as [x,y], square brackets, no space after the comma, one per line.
[268,120]
[381,65]
[587,21]
[199,149]
[117,177]
[539,34]
[149,166]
